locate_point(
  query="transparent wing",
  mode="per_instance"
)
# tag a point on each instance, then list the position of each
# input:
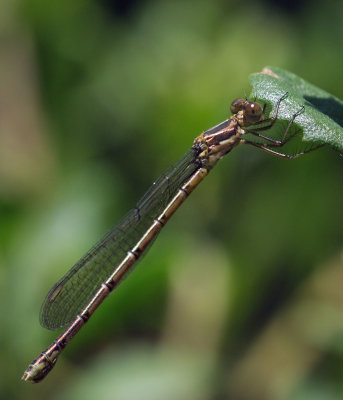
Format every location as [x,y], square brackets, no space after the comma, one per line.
[73,291]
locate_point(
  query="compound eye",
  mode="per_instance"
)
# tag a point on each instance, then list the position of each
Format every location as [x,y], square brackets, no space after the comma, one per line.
[252,113]
[237,105]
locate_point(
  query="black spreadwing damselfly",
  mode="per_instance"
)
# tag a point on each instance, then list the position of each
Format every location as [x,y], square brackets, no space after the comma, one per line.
[76,296]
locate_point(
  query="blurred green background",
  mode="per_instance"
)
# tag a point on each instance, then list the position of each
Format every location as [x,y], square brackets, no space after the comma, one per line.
[241,296]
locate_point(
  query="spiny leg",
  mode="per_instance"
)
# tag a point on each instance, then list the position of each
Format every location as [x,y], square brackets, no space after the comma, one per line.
[267,149]
[279,143]
[275,142]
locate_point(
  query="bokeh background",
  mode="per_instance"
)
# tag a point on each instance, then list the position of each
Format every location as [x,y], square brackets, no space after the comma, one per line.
[241,296]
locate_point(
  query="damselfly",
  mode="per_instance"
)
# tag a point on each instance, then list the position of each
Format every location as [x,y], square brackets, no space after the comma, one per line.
[78,294]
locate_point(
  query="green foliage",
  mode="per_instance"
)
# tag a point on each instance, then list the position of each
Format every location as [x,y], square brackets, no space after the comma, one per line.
[322,118]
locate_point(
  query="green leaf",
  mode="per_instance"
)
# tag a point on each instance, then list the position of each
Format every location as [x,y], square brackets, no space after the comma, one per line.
[322,118]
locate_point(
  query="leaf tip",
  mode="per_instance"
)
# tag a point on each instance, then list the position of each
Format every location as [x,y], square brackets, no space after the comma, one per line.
[268,71]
